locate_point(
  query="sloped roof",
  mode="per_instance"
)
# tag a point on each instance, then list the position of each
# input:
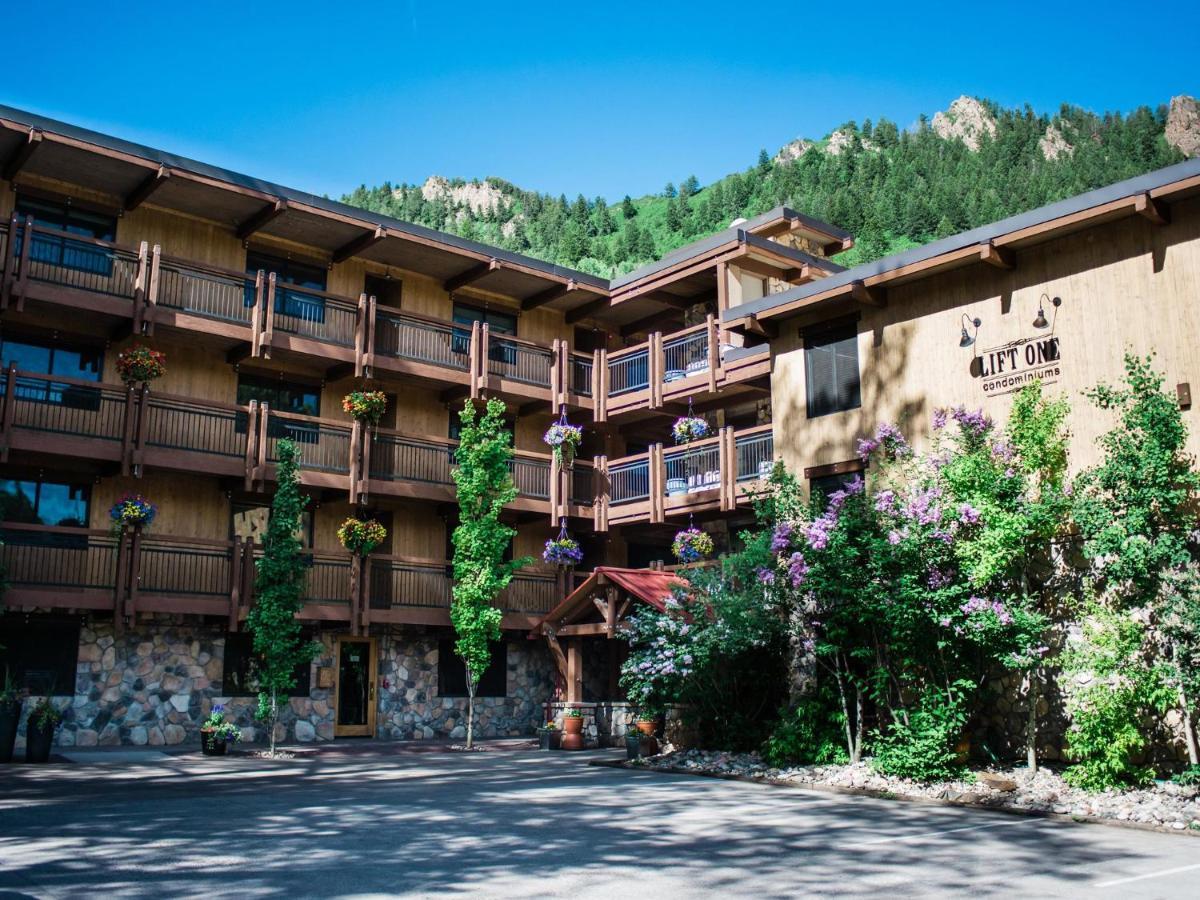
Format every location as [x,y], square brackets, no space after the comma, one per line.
[651,586]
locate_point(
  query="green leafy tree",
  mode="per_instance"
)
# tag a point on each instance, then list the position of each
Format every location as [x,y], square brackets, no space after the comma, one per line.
[279,593]
[484,486]
[628,210]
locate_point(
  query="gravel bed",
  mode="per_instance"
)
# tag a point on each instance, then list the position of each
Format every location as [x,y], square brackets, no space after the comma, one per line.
[1165,805]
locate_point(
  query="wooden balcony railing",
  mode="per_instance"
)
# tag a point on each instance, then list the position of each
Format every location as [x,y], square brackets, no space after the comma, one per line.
[717,473]
[144,572]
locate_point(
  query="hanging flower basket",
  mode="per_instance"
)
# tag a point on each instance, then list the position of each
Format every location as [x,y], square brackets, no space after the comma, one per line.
[562,551]
[366,406]
[692,545]
[688,429]
[139,364]
[132,510]
[361,537]
[563,438]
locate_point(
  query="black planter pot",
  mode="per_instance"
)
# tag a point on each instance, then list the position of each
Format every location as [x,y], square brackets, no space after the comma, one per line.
[212,744]
[10,721]
[38,740]
[549,739]
[633,745]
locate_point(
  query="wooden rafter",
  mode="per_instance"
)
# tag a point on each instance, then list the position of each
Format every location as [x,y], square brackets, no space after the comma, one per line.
[149,185]
[582,312]
[1153,210]
[22,155]
[359,244]
[472,275]
[645,323]
[868,296]
[549,295]
[1000,257]
[262,218]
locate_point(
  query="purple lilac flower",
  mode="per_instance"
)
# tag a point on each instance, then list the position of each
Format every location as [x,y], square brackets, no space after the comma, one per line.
[921,507]
[1003,451]
[866,447]
[968,515]
[973,422]
[894,537]
[781,537]
[765,575]
[885,501]
[797,569]
[939,419]
[817,531]
[942,535]
[937,578]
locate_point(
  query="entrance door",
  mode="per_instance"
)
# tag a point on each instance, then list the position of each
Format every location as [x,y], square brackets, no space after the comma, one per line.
[354,688]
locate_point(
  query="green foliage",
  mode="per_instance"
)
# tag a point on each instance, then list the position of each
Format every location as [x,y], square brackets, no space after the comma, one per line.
[1123,689]
[922,744]
[279,593]
[809,734]
[903,188]
[1178,622]
[484,485]
[1136,508]
[1189,777]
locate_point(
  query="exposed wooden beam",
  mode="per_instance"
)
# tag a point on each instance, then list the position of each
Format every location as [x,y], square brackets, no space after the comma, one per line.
[238,352]
[470,276]
[121,331]
[149,185]
[868,296]
[529,409]
[755,325]
[457,393]
[359,244]
[582,312]
[1000,257]
[21,156]
[549,295]
[1151,209]
[662,317]
[262,219]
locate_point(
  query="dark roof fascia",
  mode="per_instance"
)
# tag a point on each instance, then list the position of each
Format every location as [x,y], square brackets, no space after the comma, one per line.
[195,167]
[1081,202]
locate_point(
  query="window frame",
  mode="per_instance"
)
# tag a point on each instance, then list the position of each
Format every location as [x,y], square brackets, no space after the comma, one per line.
[826,339]
[296,304]
[243,641]
[71,218]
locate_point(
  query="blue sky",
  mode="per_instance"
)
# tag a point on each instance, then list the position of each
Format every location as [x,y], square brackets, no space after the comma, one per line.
[614,98]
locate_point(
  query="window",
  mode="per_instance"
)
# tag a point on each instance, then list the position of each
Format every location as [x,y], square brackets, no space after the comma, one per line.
[289,302]
[386,291]
[40,654]
[282,396]
[824,485]
[62,251]
[452,673]
[44,503]
[497,323]
[831,371]
[238,677]
[46,358]
[249,520]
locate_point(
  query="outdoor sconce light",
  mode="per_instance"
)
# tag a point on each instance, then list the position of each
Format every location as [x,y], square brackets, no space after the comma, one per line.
[968,339]
[1040,321]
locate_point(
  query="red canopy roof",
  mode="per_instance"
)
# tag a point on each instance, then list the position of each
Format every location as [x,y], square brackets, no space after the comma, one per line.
[652,586]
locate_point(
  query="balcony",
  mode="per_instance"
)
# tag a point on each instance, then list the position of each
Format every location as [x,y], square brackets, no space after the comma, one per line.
[719,473]
[132,573]
[670,368]
[256,315]
[135,429]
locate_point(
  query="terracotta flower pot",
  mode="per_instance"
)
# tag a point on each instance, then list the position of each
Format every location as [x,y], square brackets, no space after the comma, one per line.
[572,738]
[573,725]
[646,727]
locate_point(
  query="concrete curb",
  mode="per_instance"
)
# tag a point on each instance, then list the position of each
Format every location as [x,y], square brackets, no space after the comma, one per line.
[888,795]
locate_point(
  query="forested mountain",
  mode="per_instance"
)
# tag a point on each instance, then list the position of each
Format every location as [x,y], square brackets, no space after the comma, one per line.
[973,164]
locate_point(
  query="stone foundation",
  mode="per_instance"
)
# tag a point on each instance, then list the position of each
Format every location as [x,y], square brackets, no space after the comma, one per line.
[155,684]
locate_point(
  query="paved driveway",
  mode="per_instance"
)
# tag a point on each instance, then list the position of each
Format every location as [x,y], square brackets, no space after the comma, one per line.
[527,824]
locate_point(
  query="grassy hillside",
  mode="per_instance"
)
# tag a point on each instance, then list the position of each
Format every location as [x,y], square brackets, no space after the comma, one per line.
[891,188]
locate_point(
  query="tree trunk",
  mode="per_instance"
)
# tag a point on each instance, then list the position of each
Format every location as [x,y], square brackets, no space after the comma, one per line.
[470,711]
[1189,728]
[274,718]
[1031,693]
[858,725]
[845,714]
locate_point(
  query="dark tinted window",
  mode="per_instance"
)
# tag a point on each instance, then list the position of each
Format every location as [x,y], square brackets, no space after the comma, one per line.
[824,485]
[285,396]
[831,371]
[39,654]
[289,301]
[452,674]
[62,251]
[238,677]
[44,503]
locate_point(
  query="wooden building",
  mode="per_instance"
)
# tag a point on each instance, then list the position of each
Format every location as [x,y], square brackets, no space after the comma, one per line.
[271,304]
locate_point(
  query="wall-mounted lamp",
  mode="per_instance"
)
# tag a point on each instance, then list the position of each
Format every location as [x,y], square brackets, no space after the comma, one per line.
[968,339]
[1040,321]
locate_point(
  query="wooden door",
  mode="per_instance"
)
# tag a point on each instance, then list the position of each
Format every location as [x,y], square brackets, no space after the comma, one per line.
[354,691]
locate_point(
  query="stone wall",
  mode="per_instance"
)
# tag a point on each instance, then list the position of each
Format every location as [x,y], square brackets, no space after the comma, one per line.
[155,684]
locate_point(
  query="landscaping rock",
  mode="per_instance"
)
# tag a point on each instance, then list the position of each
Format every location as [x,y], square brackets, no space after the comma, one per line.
[997,782]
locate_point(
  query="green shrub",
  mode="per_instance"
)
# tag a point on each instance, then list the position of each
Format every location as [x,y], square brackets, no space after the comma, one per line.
[1189,776]
[923,749]
[1106,737]
[810,734]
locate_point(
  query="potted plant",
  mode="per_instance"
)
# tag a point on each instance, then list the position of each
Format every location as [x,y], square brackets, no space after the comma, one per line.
[689,428]
[216,734]
[549,737]
[633,744]
[140,364]
[572,738]
[361,537]
[10,718]
[692,545]
[562,551]
[646,729]
[366,406]
[132,510]
[563,438]
[39,731]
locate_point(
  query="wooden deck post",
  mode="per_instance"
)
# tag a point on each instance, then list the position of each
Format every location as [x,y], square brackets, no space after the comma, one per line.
[600,491]
[135,573]
[727,462]
[574,671]
[556,387]
[251,435]
[355,452]
[360,334]
[235,582]
[128,429]
[600,385]
[8,267]
[256,316]
[143,423]
[364,468]
[658,484]
[139,286]
[714,351]
[369,347]
[121,583]
[268,332]
[22,281]
[10,405]
[152,289]
[473,361]
[355,589]
[485,374]
[656,369]
[260,462]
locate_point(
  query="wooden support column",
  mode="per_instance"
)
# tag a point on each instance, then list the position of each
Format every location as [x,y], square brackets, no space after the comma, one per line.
[556,385]
[473,358]
[714,351]
[364,468]
[10,402]
[360,335]
[658,484]
[140,279]
[355,591]
[251,436]
[600,385]
[127,430]
[121,583]
[152,289]
[369,349]
[600,491]
[135,574]
[8,266]
[268,318]
[722,292]
[256,316]
[235,583]
[575,671]
[485,375]
[556,498]
[249,570]
[355,451]
[656,368]
[260,462]
[22,281]
[727,460]
[143,424]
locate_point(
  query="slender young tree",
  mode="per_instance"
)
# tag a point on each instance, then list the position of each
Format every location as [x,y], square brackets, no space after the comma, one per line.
[279,593]
[484,485]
